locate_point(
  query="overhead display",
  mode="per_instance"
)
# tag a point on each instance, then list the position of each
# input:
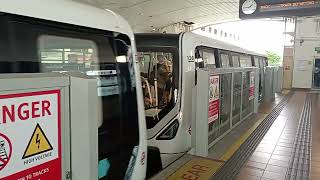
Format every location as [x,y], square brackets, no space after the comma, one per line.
[250,9]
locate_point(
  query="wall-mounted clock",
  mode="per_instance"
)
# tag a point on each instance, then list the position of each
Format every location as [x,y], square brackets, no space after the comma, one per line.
[249,6]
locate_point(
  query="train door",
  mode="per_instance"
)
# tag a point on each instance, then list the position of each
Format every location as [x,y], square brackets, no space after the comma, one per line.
[263,65]
[316,74]
[287,67]
[31,45]
[256,61]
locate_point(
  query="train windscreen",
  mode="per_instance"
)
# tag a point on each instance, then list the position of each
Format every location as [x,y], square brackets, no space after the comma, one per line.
[159,81]
[32,46]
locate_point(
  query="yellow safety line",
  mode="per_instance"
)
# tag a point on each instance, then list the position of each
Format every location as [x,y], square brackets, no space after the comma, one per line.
[241,140]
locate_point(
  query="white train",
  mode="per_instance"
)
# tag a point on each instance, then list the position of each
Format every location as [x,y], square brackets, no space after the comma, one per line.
[168,65]
[45,35]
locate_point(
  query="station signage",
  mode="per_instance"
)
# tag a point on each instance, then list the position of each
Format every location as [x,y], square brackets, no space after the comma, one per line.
[250,9]
[214,96]
[30,136]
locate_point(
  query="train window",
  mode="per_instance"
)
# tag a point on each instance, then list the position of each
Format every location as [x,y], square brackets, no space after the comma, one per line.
[158,84]
[256,62]
[208,58]
[45,46]
[235,61]
[245,61]
[225,61]
[145,62]
[68,53]
[265,62]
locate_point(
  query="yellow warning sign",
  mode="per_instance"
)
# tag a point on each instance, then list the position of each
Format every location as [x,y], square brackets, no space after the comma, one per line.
[38,143]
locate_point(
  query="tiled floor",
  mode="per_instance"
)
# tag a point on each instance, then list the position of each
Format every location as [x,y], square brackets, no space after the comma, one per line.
[271,158]
[220,147]
[315,150]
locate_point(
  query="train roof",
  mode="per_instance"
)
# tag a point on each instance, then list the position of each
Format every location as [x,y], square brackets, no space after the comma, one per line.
[172,40]
[220,44]
[70,12]
[157,40]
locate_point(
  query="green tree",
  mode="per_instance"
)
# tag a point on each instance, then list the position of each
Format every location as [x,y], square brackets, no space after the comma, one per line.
[273,58]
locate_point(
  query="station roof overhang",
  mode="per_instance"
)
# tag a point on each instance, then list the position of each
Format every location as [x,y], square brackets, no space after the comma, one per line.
[146,15]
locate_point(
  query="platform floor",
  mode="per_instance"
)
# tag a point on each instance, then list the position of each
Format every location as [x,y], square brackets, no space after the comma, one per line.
[285,152]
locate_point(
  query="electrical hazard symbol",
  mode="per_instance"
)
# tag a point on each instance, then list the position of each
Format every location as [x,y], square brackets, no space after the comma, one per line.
[5,151]
[38,143]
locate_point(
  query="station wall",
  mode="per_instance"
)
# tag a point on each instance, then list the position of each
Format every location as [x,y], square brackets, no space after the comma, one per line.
[307,38]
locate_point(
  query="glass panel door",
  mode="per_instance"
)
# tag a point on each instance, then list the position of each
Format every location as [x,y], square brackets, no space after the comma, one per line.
[316,74]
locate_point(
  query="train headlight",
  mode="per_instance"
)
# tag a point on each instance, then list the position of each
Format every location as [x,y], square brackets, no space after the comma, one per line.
[170,132]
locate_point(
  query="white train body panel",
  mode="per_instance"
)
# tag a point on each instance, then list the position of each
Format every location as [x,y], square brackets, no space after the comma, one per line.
[73,13]
[182,143]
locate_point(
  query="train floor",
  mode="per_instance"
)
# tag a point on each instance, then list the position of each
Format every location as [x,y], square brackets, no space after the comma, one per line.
[280,142]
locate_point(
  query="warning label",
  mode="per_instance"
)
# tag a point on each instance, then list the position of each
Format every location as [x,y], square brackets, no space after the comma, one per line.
[30,138]
[38,143]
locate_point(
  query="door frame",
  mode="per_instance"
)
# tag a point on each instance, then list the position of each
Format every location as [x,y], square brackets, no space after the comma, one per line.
[313,69]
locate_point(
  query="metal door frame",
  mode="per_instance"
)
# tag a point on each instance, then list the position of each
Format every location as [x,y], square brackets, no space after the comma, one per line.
[313,69]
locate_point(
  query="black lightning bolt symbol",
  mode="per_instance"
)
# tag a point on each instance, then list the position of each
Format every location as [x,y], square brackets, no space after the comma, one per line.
[38,141]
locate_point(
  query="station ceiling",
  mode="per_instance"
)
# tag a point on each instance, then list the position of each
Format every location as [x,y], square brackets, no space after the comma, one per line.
[145,15]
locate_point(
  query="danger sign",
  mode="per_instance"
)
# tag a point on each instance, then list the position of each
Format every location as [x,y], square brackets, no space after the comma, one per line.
[30,138]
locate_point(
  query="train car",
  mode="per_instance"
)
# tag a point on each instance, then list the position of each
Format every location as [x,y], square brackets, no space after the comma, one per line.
[168,65]
[46,36]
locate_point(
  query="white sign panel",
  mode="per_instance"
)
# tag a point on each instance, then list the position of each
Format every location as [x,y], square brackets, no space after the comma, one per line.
[214,96]
[30,136]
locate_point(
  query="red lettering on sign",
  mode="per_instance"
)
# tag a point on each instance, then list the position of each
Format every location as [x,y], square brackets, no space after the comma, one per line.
[23,114]
[6,112]
[35,109]
[24,111]
[45,107]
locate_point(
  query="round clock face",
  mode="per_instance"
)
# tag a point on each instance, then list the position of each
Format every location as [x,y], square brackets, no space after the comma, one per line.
[249,7]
